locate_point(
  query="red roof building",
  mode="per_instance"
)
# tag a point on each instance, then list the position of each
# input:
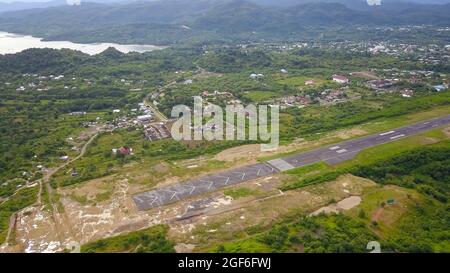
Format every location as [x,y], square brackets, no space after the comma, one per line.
[125,151]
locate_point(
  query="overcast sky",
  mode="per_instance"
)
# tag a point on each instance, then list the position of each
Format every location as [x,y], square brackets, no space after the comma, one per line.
[8,1]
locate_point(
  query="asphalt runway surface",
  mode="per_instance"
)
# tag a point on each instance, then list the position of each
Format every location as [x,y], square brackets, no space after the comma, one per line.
[332,154]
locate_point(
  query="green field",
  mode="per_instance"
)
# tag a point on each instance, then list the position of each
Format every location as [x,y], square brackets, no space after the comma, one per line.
[260,96]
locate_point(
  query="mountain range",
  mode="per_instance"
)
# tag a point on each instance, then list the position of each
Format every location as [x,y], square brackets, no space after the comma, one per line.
[174,21]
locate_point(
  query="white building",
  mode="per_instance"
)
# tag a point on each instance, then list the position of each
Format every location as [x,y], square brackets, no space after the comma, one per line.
[144,118]
[340,79]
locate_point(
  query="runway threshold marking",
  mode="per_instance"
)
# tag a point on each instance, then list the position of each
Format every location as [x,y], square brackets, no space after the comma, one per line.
[192,189]
[398,136]
[173,196]
[153,201]
[227,177]
[387,133]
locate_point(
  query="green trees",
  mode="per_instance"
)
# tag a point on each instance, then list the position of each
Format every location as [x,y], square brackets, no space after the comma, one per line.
[151,240]
[425,169]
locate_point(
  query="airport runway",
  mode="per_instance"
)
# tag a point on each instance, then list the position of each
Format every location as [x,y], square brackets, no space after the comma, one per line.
[332,154]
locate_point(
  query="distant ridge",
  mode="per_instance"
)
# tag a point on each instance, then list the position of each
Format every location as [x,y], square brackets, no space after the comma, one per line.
[175,21]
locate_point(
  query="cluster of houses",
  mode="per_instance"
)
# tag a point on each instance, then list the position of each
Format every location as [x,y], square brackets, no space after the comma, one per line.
[226,97]
[381,85]
[329,96]
[299,100]
[433,54]
[157,131]
[37,82]
[217,94]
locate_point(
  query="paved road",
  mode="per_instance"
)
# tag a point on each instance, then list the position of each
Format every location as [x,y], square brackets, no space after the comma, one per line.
[331,154]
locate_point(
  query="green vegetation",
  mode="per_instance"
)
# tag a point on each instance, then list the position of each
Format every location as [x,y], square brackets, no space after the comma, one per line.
[151,240]
[37,127]
[425,169]
[260,96]
[308,122]
[216,21]
[422,227]
[383,154]
[425,229]
[239,193]
[320,234]
[22,199]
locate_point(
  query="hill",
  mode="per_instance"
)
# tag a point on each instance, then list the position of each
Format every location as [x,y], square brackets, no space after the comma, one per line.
[175,21]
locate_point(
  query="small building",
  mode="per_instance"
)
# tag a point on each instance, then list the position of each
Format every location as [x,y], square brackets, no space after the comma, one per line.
[340,79]
[439,87]
[380,84]
[289,100]
[124,150]
[407,93]
[283,71]
[64,157]
[78,113]
[144,118]
[74,173]
[256,76]
[116,111]
[415,80]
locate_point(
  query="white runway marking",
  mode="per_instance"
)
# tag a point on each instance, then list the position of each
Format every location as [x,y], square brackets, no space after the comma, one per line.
[341,151]
[259,171]
[210,183]
[154,200]
[227,177]
[387,133]
[192,189]
[334,148]
[173,196]
[398,136]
